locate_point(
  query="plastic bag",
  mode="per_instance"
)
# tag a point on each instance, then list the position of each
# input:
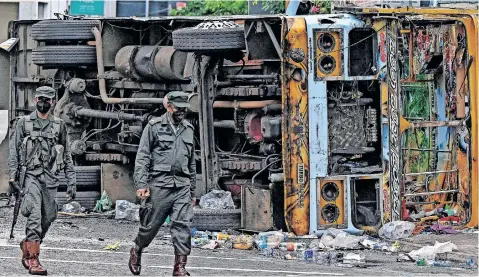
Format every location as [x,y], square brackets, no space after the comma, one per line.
[327,240]
[270,239]
[430,252]
[396,230]
[217,199]
[316,244]
[104,204]
[127,210]
[335,232]
[72,207]
[346,241]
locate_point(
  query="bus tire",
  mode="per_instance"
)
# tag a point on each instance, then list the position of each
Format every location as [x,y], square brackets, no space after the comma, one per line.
[209,40]
[216,220]
[64,30]
[65,55]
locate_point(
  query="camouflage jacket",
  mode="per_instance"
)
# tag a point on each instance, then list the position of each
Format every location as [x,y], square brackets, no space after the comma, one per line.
[46,145]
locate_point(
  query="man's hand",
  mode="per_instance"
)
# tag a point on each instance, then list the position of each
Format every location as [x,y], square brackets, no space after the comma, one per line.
[13,185]
[143,193]
[193,201]
[71,192]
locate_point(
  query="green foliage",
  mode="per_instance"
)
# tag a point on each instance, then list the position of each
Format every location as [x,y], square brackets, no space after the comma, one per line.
[417,105]
[322,6]
[417,100]
[419,160]
[213,7]
[272,6]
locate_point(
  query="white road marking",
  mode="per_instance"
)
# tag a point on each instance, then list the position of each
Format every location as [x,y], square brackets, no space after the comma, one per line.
[3,244]
[189,267]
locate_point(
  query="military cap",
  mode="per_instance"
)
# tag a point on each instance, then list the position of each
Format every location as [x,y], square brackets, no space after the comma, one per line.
[178,99]
[45,91]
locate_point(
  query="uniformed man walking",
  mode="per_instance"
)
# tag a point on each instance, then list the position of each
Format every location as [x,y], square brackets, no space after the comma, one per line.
[39,150]
[165,178]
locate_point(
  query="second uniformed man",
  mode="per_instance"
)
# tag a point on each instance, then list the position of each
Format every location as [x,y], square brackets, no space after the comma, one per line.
[165,179]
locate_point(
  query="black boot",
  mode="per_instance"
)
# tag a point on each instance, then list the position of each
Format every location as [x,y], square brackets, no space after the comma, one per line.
[179,268]
[135,260]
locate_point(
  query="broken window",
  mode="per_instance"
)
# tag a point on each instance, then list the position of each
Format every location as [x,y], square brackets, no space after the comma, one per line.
[362,43]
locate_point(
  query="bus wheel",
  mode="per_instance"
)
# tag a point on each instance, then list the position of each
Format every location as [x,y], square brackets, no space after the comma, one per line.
[210,37]
[64,30]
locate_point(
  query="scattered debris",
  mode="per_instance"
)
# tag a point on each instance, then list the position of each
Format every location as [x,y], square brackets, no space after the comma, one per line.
[396,230]
[114,246]
[217,199]
[439,228]
[104,204]
[375,244]
[404,258]
[243,242]
[127,210]
[73,214]
[211,245]
[292,246]
[199,242]
[73,207]
[353,258]
[430,252]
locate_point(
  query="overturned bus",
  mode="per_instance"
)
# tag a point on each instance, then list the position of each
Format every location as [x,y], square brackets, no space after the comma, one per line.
[345,120]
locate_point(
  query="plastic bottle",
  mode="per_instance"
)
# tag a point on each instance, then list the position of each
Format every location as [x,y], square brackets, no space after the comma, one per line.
[439,263]
[200,234]
[197,242]
[292,246]
[308,255]
[470,263]
[421,262]
[266,245]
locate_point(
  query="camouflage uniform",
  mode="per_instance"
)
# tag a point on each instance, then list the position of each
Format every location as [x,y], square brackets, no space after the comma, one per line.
[46,147]
[165,163]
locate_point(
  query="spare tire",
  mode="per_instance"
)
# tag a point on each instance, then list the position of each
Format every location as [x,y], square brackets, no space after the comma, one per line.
[210,37]
[216,220]
[58,30]
[86,176]
[65,55]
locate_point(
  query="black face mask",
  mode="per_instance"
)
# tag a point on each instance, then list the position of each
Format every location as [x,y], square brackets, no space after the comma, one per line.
[43,106]
[178,116]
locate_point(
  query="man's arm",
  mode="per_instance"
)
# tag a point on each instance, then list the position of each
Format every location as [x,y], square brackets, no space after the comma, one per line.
[192,169]
[142,161]
[15,144]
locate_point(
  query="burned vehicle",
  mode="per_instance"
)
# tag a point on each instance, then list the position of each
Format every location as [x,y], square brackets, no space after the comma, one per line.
[345,120]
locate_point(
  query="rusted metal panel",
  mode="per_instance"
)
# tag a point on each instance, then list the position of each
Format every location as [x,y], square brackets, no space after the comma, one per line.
[143,86]
[117,181]
[296,156]
[104,157]
[256,209]
[251,91]
[240,165]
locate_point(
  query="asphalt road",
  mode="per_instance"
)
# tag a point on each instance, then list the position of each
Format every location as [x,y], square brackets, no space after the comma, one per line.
[74,246]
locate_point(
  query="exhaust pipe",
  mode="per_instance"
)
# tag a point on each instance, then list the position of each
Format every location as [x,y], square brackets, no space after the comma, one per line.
[102,83]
